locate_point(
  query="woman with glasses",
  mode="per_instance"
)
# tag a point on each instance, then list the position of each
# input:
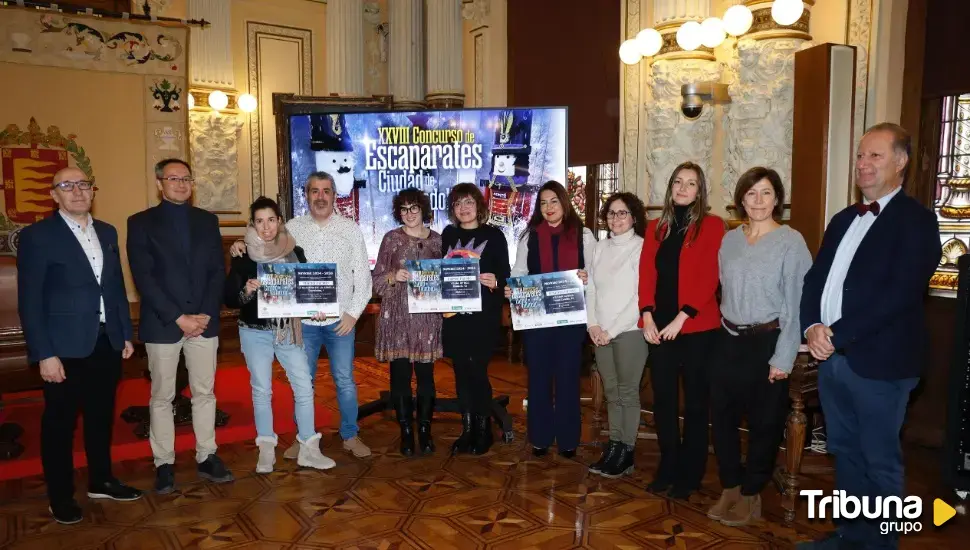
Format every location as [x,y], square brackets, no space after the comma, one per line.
[268,242]
[762,265]
[555,241]
[470,338]
[612,315]
[410,342]
[680,317]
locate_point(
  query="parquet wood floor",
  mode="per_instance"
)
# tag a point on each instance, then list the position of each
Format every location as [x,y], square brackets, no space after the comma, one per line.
[505,499]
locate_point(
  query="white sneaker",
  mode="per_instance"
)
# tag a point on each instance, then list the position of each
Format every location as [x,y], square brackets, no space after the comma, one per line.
[310,455]
[293,451]
[267,454]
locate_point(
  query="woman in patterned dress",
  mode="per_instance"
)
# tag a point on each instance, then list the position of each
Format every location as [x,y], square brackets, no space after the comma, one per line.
[410,342]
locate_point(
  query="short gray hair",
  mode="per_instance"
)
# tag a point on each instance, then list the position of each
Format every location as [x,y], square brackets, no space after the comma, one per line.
[321,176]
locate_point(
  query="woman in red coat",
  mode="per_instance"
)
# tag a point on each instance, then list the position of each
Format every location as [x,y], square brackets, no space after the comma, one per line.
[680,317]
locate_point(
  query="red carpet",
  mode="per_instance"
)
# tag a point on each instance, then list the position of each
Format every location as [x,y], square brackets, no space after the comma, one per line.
[233,395]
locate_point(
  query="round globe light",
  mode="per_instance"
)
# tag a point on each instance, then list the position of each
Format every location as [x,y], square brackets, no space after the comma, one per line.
[689,36]
[737,20]
[630,52]
[649,42]
[191,102]
[218,100]
[247,103]
[787,12]
[712,32]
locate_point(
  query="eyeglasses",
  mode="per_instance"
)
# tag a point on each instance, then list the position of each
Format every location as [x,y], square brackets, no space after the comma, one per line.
[83,185]
[618,214]
[413,209]
[464,202]
[189,180]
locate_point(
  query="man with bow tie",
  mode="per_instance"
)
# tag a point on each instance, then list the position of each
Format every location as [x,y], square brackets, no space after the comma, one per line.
[862,313]
[74,311]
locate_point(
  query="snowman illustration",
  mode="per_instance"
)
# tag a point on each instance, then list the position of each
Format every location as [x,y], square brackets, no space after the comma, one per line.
[507,192]
[334,154]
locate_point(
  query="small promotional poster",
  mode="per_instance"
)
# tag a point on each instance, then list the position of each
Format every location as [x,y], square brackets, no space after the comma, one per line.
[508,153]
[297,290]
[547,300]
[443,286]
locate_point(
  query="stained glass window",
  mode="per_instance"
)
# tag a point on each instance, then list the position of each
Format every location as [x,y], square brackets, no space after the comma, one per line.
[952,197]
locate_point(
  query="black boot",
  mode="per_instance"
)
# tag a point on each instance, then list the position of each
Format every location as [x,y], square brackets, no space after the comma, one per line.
[425,411]
[483,435]
[404,408]
[608,452]
[621,463]
[464,441]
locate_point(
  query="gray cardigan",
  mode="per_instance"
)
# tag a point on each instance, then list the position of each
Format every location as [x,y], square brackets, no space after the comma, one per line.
[763,282]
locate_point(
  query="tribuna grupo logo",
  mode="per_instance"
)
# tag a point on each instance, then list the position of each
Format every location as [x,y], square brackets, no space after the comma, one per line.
[898,515]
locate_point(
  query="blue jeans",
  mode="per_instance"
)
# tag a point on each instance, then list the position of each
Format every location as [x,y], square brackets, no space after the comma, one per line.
[863,418]
[258,347]
[340,349]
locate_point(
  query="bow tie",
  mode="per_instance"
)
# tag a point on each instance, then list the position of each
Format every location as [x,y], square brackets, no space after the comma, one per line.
[861,208]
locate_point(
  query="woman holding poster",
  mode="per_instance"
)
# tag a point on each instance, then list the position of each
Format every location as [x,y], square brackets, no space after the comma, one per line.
[555,241]
[612,315]
[268,241]
[680,316]
[408,341]
[470,338]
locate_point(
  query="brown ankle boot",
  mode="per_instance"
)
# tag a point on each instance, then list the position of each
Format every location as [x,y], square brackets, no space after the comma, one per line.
[729,497]
[744,512]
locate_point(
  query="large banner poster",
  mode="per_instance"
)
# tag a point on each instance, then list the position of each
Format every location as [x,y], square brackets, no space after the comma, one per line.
[547,300]
[297,290]
[509,153]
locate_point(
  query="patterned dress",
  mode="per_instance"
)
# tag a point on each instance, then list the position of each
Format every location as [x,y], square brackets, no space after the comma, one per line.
[399,333]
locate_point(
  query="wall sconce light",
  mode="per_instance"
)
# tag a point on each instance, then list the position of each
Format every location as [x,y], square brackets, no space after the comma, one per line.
[689,36]
[712,32]
[787,12]
[247,103]
[191,102]
[737,20]
[650,42]
[218,100]
[630,52]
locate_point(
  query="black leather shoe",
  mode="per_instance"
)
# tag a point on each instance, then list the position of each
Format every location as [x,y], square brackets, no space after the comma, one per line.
[539,452]
[659,485]
[483,435]
[405,418]
[571,453]
[464,440]
[608,451]
[165,479]
[425,412]
[214,470]
[66,513]
[114,490]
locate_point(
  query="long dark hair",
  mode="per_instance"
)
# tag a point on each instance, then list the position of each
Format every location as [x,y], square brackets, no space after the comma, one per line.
[570,219]
[697,211]
[637,211]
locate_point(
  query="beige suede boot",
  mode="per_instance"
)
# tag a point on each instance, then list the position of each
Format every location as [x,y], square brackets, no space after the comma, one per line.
[744,512]
[729,497]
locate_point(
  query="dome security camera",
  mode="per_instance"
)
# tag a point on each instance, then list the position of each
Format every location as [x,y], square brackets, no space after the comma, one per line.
[696,95]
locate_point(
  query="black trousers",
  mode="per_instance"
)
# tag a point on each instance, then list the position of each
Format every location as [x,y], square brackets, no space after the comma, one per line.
[553,356]
[401,370]
[682,460]
[89,386]
[740,387]
[472,384]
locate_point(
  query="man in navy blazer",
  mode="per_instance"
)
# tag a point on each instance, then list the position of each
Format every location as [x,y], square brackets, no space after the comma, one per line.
[176,259]
[862,313]
[74,312]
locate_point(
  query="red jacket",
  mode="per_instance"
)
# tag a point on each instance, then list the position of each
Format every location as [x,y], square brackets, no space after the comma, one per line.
[697,279]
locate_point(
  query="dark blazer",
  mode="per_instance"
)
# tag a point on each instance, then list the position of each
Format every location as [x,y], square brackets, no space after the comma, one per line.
[59,296]
[882,331]
[171,284]
[243,269]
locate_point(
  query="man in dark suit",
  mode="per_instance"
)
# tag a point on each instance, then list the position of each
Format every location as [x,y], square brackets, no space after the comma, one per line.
[862,313]
[74,312]
[176,259]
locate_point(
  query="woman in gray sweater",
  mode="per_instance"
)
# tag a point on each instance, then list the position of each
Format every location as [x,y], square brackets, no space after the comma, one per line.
[762,266]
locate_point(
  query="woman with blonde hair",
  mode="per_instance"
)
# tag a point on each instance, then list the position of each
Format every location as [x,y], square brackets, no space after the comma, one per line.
[680,317]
